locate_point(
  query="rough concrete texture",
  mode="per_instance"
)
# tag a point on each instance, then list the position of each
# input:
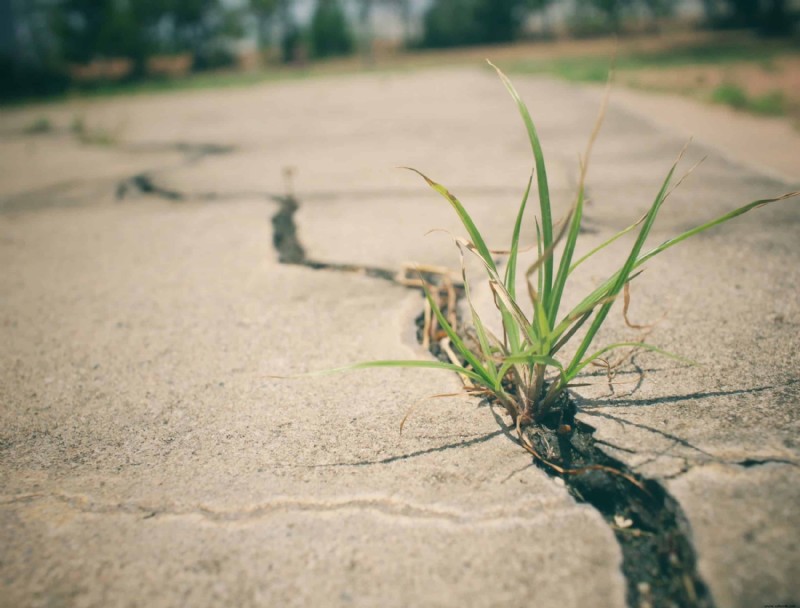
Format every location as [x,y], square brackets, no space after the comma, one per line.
[149,460]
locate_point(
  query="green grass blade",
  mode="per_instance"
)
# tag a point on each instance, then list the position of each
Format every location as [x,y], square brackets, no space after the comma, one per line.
[510,328]
[472,230]
[541,181]
[607,243]
[487,378]
[519,319]
[483,339]
[600,292]
[566,259]
[511,267]
[564,267]
[570,374]
[541,324]
[525,359]
[562,340]
[403,363]
[720,220]
[624,272]
[539,275]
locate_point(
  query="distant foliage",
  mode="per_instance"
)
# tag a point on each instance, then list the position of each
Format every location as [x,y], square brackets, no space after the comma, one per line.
[769,17]
[450,23]
[463,22]
[330,33]
[135,30]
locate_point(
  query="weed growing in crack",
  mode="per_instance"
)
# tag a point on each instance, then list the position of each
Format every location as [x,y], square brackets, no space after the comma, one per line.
[524,369]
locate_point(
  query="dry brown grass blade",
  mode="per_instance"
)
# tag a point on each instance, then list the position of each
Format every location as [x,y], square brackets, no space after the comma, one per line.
[626,295]
[426,325]
[687,174]
[530,247]
[444,344]
[549,251]
[610,372]
[452,317]
[598,124]
[435,319]
[402,277]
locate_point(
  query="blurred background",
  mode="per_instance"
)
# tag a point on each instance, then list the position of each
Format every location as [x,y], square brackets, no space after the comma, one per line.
[743,53]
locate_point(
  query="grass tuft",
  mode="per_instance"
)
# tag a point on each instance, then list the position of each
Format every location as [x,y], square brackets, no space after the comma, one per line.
[524,369]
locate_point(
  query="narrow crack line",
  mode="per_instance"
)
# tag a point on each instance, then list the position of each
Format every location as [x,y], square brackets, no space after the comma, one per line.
[748,462]
[655,456]
[685,468]
[517,471]
[141,182]
[192,152]
[529,512]
[659,562]
[757,462]
[371,194]
[645,427]
[291,252]
[658,557]
[144,183]
[591,404]
[616,447]
[401,457]
[284,234]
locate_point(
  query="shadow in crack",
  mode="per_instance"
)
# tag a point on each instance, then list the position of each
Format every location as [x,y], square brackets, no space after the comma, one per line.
[592,404]
[400,457]
[645,427]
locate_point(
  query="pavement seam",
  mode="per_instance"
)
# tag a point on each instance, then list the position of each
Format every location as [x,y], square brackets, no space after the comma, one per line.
[388,506]
[674,541]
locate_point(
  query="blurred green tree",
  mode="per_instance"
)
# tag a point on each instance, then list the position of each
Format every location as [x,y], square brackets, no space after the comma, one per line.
[330,33]
[138,29]
[610,11]
[464,22]
[769,17]
[450,23]
[264,12]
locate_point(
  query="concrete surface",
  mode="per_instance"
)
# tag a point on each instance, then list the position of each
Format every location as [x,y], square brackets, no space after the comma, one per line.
[148,460]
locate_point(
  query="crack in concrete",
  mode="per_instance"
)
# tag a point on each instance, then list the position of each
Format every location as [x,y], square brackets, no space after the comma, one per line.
[708,457]
[619,402]
[400,457]
[658,556]
[285,239]
[749,463]
[382,505]
[659,563]
[38,198]
[290,251]
[645,427]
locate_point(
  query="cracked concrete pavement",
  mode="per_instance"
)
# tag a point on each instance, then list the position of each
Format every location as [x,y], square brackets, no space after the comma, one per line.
[149,460]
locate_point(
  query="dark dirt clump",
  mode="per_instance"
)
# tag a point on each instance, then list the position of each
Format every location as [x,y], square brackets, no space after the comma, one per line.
[658,558]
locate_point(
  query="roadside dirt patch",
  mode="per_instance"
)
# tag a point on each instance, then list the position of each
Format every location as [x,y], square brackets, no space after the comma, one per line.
[777,78]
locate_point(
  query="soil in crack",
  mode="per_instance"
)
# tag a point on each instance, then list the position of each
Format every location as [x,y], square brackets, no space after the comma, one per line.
[659,563]
[658,559]
[290,251]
